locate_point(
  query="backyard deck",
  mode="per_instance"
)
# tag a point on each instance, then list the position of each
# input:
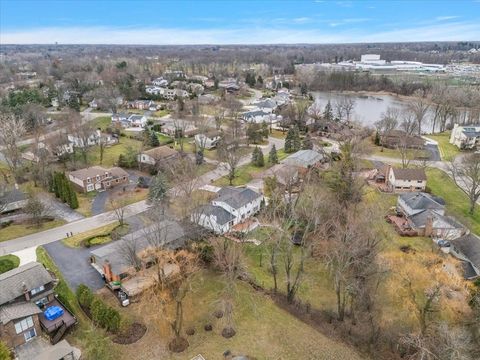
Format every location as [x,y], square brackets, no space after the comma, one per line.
[50,326]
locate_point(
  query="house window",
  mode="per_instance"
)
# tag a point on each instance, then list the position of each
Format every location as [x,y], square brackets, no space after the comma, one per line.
[23,325]
[30,334]
[37,290]
[89,180]
[419,181]
[98,177]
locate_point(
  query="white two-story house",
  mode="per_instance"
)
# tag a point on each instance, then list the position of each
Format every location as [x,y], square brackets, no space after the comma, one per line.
[465,137]
[232,206]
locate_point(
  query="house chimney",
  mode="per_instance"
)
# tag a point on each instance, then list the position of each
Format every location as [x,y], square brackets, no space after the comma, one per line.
[429,226]
[107,269]
[25,292]
[387,174]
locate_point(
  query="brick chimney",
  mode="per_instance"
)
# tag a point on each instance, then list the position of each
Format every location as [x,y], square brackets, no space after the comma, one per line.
[107,269]
[26,293]
[429,226]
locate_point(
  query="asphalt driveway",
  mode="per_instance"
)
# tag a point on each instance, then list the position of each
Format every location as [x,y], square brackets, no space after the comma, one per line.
[75,265]
[434,152]
[99,201]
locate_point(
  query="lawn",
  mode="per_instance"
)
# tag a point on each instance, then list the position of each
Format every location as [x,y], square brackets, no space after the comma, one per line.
[102,122]
[279,134]
[263,330]
[85,203]
[164,139]
[246,173]
[111,153]
[447,151]
[395,153]
[160,113]
[8,262]
[19,230]
[78,240]
[457,202]
[127,197]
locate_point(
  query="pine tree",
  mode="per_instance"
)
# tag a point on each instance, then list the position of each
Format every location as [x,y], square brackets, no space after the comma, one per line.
[328,113]
[265,130]
[289,141]
[296,141]
[254,156]
[307,143]
[153,141]
[272,156]
[72,197]
[260,158]
[377,139]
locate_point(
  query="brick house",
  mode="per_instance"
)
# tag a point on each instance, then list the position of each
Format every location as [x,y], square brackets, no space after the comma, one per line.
[98,178]
[157,156]
[25,291]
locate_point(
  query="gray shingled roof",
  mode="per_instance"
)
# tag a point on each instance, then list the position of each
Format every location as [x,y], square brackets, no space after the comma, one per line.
[12,196]
[222,215]
[236,197]
[31,276]
[439,221]
[422,200]
[304,158]
[18,311]
[169,231]
[469,246]
[409,174]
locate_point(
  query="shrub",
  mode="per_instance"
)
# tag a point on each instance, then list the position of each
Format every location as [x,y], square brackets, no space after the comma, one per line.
[84,296]
[6,265]
[4,351]
[105,316]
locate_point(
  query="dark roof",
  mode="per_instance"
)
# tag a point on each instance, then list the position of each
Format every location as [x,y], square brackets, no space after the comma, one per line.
[471,134]
[421,200]
[12,196]
[438,221]
[168,231]
[29,276]
[222,215]
[469,246]
[409,174]
[236,197]
[468,270]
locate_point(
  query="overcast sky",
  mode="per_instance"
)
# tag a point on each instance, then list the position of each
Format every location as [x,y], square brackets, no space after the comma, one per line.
[236,22]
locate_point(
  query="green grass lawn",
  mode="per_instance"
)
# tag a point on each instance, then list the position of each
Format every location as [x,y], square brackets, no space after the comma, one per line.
[394,153]
[447,150]
[8,262]
[279,134]
[102,122]
[85,203]
[246,173]
[111,153]
[457,202]
[160,113]
[19,230]
[164,139]
[78,240]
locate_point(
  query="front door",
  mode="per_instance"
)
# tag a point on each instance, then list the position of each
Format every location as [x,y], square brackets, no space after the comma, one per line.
[29,334]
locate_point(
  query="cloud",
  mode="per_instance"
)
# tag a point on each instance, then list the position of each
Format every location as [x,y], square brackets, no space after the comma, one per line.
[451,31]
[348,21]
[443,18]
[302,20]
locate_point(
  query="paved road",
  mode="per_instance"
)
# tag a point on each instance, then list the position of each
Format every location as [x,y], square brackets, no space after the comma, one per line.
[58,233]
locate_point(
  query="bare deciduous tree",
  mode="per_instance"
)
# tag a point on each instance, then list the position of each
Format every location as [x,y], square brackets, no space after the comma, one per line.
[12,130]
[466,174]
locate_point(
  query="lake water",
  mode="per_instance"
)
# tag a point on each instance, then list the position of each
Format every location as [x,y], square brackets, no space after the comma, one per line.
[368,108]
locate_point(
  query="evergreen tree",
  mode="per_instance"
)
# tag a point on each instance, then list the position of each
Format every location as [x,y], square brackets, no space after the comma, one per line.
[289,141]
[260,80]
[296,141]
[153,141]
[303,89]
[260,158]
[377,139]
[254,156]
[265,130]
[307,143]
[158,188]
[328,113]
[272,156]
[72,197]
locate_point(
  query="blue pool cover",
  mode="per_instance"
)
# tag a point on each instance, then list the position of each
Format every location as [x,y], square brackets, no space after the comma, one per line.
[53,312]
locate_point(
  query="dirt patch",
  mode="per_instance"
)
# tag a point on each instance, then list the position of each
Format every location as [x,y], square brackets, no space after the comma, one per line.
[228,332]
[190,331]
[407,249]
[178,345]
[131,335]
[208,327]
[218,314]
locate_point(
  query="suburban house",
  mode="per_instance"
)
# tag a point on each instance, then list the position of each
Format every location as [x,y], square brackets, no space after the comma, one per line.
[140,104]
[114,265]
[93,104]
[160,82]
[396,138]
[304,159]
[157,155]
[120,118]
[231,206]
[284,174]
[467,249]
[266,105]
[135,120]
[398,180]
[94,139]
[188,128]
[98,178]
[259,116]
[208,140]
[424,215]
[229,85]
[465,137]
[11,200]
[26,292]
